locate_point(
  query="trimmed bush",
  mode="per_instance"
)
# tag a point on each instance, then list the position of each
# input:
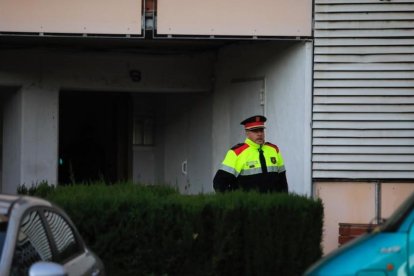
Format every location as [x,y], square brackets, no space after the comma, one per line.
[141,230]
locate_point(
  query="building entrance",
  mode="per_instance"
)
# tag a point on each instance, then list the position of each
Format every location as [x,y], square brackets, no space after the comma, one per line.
[93,137]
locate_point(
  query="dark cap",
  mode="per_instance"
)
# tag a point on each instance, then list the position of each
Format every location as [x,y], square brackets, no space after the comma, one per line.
[254,122]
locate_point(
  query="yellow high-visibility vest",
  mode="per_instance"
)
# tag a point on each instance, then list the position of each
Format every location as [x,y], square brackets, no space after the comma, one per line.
[244,159]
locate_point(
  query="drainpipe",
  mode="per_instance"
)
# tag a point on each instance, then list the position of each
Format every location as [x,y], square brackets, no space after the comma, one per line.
[378,216]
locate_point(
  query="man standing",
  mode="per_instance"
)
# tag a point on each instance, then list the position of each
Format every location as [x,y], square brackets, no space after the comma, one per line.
[254,164]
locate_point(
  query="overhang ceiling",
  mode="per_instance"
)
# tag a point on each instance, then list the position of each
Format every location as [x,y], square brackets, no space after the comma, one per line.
[122,44]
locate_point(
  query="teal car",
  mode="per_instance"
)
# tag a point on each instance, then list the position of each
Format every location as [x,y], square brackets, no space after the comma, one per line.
[387,250]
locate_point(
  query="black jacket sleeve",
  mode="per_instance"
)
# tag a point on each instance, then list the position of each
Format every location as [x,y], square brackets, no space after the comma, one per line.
[224,181]
[283,185]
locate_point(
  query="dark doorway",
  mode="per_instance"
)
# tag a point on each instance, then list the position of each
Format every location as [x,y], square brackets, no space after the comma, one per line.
[94,137]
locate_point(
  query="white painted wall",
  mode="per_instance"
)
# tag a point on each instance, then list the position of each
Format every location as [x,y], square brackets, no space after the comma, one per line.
[12,135]
[183,135]
[40,118]
[287,70]
[187,142]
[30,141]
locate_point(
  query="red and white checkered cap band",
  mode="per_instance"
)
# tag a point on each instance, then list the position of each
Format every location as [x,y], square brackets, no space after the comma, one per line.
[254,125]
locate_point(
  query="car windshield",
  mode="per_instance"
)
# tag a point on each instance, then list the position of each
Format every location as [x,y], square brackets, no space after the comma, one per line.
[394,222]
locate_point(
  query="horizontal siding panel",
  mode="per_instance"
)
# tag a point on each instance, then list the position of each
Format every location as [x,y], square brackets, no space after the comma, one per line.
[364,66]
[362,125]
[363,142]
[346,16]
[375,158]
[363,150]
[363,166]
[382,108]
[364,174]
[409,75]
[363,116]
[338,25]
[358,50]
[364,83]
[365,33]
[363,100]
[363,97]
[367,91]
[371,133]
[379,7]
[364,58]
[333,41]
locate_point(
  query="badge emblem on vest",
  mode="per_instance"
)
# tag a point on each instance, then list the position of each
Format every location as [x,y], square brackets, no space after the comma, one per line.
[273,159]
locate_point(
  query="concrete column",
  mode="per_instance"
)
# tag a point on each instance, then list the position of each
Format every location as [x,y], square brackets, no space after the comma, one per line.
[11,143]
[30,137]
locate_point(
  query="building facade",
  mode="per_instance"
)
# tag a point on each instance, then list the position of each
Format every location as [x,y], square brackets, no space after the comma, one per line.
[363,120]
[154,91]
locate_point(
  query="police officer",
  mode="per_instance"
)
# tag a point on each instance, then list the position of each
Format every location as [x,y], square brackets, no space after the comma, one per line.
[254,164]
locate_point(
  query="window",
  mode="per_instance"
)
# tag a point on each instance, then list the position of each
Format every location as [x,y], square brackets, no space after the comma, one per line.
[63,235]
[32,244]
[144,131]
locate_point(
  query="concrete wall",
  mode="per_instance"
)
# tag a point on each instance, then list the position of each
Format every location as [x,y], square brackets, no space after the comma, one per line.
[187,144]
[31,114]
[182,138]
[12,132]
[286,70]
[108,71]
[30,135]
[195,129]
[357,202]
[40,120]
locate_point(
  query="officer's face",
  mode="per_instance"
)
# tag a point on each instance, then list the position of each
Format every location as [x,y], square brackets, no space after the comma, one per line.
[256,135]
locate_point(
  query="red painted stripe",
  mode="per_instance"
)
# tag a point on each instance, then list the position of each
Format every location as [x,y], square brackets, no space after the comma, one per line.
[253,124]
[273,146]
[240,149]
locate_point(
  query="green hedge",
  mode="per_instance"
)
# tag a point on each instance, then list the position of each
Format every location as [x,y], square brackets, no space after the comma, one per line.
[139,230]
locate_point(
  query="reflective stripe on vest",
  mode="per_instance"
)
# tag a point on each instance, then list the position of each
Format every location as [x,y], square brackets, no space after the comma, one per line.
[259,170]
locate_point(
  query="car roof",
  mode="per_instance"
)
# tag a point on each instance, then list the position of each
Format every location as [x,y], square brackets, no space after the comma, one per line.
[7,201]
